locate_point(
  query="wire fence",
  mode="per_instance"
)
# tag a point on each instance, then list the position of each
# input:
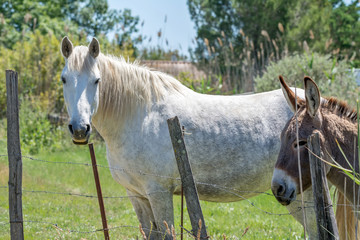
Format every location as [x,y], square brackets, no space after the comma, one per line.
[235,192]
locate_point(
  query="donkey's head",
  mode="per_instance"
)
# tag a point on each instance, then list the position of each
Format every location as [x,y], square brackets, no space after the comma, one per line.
[286,180]
[80,77]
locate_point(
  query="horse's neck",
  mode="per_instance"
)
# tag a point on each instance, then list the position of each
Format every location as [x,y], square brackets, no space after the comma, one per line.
[111,126]
[118,98]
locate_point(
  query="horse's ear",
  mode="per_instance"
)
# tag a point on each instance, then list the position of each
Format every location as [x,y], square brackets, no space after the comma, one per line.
[66,47]
[94,48]
[290,96]
[312,96]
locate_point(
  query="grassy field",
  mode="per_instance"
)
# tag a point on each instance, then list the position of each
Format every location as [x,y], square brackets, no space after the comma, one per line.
[77,217]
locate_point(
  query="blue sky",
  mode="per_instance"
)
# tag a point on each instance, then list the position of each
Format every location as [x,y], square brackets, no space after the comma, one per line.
[178,29]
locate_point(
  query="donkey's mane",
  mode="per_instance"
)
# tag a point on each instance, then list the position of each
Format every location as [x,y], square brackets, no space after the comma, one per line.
[341,108]
[124,85]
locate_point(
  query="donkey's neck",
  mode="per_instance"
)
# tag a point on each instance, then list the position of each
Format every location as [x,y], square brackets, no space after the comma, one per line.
[344,131]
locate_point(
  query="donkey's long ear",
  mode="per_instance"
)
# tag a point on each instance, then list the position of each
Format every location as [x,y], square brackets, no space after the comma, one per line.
[290,96]
[94,48]
[312,96]
[66,47]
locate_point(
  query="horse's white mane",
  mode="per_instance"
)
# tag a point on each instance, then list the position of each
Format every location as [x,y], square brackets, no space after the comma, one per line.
[124,86]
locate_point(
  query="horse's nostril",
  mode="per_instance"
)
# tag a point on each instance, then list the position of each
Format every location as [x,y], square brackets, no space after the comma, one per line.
[88,128]
[71,129]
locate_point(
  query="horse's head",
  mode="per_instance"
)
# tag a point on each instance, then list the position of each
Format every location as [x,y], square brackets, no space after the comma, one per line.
[286,180]
[80,77]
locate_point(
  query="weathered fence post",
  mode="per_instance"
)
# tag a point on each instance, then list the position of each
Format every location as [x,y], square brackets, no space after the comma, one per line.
[187,180]
[325,218]
[14,156]
[99,193]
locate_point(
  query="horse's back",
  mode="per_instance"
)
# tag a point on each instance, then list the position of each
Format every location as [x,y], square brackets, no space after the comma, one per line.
[231,140]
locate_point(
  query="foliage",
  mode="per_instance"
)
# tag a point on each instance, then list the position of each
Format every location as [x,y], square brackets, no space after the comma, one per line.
[332,77]
[21,16]
[36,132]
[237,39]
[158,53]
[329,26]
[63,17]
[345,30]
[204,85]
[128,27]
[95,17]
[309,25]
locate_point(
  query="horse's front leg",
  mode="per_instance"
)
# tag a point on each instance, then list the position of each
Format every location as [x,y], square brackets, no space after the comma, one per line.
[143,211]
[161,202]
[152,210]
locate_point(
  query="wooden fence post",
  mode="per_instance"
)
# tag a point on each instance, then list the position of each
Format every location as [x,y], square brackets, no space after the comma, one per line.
[187,180]
[14,156]
[325,218]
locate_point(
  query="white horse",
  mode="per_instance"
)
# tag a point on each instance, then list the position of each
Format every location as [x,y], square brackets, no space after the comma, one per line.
[233,144]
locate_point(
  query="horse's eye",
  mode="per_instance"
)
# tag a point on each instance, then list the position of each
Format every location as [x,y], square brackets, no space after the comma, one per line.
[97,81]
[301,144]
[63,80]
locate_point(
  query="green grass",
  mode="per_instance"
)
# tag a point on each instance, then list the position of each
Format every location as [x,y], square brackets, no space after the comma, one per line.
[82,214]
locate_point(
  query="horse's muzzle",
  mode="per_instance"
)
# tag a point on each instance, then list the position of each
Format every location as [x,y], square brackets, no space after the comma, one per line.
[80,134]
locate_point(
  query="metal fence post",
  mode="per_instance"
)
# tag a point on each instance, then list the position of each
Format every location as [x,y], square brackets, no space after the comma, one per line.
[99,193]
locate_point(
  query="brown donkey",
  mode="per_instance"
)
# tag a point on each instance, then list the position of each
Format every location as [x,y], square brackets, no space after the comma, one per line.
[334,121]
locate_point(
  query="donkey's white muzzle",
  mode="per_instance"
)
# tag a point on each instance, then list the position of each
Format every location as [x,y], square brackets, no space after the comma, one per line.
[283,187]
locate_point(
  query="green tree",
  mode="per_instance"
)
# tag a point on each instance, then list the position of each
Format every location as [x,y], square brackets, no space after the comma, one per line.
[63,17]
[95,17]
[238,38]
[19,16]
[345,30]
[127,27]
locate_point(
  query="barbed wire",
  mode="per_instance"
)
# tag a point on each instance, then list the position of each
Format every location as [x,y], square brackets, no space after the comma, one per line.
[232,191]
[64,229]
[88,195]
[127,197]
[149,174]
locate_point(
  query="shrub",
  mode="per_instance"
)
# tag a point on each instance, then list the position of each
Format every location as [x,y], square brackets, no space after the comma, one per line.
[333,78]
[36,132]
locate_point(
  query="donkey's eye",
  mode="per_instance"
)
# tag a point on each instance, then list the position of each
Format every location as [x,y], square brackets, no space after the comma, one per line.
[302,143]
[97,81]
[63,80]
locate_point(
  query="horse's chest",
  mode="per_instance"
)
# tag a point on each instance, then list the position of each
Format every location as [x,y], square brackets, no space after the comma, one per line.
[136,163]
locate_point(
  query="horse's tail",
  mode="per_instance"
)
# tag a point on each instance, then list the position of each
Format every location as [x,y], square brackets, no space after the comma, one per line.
[346,220]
